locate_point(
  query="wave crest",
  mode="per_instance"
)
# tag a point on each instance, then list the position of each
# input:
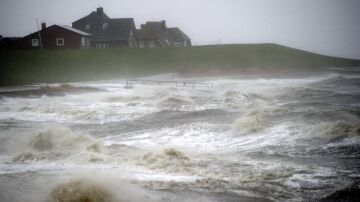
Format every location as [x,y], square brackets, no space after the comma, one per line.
[60,142]
[170,160]
[337,130]
[80,191]
[251,122]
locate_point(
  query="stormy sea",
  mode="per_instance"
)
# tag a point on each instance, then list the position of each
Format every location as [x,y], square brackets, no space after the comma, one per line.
[249,138]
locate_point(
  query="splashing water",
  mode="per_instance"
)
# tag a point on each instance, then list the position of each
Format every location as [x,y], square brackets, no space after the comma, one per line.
[248,139]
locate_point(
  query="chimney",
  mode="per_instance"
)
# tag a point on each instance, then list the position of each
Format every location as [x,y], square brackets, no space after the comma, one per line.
[43,25]
[100,11]
[163,25]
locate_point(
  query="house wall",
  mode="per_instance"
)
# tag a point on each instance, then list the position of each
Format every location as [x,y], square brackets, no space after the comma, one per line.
[148,41]
[48,38]
[132,42]
[109,44]
[185,43]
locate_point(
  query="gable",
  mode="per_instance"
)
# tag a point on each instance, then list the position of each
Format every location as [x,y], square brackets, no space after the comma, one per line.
[93,16]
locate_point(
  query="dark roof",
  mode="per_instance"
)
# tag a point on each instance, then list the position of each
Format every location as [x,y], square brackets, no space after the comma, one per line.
[117,29]
[146,34]
[176,34]
[158,31]
[93,15]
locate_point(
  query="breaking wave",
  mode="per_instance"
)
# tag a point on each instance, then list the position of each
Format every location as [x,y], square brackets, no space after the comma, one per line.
[252,121]
[60,142]
[80,191]
[170,159]
[97,187]
[333,130]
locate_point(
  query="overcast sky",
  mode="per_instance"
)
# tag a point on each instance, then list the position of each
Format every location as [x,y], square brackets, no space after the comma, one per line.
[330,27]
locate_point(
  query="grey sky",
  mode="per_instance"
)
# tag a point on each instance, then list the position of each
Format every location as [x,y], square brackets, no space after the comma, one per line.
[325,26]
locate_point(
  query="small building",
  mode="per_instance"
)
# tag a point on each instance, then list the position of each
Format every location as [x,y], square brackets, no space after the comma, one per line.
[55,37]
[8,42]
[106,32]
[157,34]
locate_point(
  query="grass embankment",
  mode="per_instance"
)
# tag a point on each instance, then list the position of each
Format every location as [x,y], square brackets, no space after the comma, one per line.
[32,66]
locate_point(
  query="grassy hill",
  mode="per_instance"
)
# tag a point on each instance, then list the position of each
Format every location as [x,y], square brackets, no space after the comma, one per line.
[31,66]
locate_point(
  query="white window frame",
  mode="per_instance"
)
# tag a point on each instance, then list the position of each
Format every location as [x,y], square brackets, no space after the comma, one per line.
[60,44]
[87,27]
[35,42]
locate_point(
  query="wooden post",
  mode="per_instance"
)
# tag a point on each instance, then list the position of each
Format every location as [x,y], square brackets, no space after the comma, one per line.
[37,22]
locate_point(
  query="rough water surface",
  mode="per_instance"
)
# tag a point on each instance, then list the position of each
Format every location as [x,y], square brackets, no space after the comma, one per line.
[289,138]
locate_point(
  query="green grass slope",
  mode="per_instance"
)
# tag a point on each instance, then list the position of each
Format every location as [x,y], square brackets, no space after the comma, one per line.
[32,66]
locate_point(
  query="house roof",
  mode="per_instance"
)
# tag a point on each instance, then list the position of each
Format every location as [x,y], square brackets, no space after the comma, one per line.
[117,29]
[146,34]
[158,31]
[92,15]
[74,30]
[159,28]
[103,28]
[68,28]
[176,34]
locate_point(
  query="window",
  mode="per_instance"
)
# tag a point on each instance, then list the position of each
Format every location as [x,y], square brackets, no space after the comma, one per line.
[35,42]
[105,26]
[141,44]
[177,44]
[87,27]
[60,42]
[152,44]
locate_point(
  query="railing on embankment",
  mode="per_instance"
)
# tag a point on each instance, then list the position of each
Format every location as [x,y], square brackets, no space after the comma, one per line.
[184,83]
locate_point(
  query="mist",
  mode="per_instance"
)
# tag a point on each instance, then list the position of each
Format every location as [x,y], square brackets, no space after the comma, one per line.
[207,101]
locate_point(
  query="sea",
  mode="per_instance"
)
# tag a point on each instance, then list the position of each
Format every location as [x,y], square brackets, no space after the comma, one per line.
[289,137]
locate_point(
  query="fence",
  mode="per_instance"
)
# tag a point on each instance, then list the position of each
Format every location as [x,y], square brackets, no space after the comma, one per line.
[185,84]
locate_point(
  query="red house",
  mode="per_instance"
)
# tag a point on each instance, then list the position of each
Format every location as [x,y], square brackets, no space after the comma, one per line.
[55,37]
